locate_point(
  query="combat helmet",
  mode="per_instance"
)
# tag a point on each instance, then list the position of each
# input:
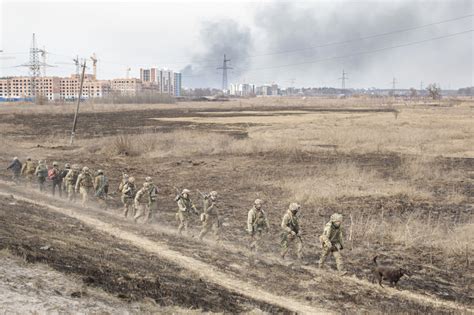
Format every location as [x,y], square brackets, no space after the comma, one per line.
[294,206]
[336,217]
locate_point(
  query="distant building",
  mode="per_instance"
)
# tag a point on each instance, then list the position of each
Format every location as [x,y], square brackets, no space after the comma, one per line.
[177,84]
[69,87]
[20,88]
[164,81]
[126,87]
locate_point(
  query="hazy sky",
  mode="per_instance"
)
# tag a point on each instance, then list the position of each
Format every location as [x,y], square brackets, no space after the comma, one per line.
[287,42]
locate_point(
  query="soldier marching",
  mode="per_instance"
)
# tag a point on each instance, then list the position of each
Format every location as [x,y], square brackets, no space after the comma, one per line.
[142,203]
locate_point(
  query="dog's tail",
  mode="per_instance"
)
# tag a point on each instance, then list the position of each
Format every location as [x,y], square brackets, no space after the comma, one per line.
[375,261]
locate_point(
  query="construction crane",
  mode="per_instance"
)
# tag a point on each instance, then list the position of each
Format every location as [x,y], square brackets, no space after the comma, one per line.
[43,56]
[78,66]
[94,65]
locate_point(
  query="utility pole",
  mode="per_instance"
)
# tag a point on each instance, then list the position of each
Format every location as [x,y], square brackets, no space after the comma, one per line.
[74,123]
[343,79]
[224,69]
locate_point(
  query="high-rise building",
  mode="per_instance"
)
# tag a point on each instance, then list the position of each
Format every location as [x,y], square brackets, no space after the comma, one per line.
[166,81]
[177,84]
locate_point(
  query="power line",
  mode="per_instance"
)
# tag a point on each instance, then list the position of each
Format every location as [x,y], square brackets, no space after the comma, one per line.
[224,69]
[362,52]
[343,79]
[403,30]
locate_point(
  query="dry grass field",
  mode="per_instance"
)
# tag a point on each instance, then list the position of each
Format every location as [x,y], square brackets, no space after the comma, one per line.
[401,172]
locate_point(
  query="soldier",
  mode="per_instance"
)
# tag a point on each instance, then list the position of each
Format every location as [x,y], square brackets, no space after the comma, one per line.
[16,167]
[291,231]
[28,170]
[101,187]
[128,195]
[153,209]
[257,222]
[122,182]
[185,207]
[54,175]
[41,173]
[62,176]
[210,216]
[332,241]
[84,185]
[142,202]
[70,179]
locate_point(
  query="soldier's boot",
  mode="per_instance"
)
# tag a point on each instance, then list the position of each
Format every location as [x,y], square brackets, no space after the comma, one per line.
[180,228]
[324,255]
[140,213]
[202,233]
[126,209]
[339,263]
[299,250]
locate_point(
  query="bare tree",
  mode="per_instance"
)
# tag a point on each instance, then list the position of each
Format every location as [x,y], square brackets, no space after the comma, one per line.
[434,91]
[413,93]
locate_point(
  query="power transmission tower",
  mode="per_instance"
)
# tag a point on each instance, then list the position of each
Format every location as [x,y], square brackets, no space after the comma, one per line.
[394,82]
[34,67]
[343,79]
[224,69]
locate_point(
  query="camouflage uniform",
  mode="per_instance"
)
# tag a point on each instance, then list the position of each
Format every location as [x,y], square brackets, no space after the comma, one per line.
[332,241]
[142,202]
[84,185]
[185,207]
[128,195]
[16,167]
[210,216]
[70,180]
[56,179]
[41,173]
[101,187]
[257,222]
[291,231]
[122,182]
[153,191]
[28,170]
[62,177]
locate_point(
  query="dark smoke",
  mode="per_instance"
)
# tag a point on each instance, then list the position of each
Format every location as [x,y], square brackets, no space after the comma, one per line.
[218,38]
[290,25]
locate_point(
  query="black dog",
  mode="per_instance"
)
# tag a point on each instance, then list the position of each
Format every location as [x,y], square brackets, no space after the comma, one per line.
[387,273]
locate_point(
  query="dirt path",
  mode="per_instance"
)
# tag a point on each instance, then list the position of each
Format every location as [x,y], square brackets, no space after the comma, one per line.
[206,271]
[210,273]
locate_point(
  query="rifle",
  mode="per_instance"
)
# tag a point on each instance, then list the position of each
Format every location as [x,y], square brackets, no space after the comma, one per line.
[204,196]
[100,191]
[178,196]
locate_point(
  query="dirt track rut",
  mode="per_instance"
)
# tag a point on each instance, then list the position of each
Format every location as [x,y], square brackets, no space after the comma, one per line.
[207,272]
[210,274]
